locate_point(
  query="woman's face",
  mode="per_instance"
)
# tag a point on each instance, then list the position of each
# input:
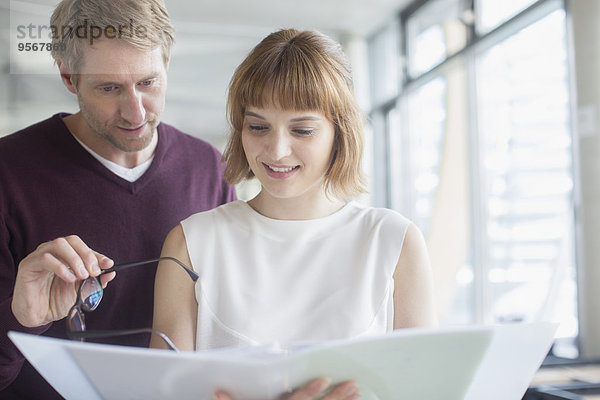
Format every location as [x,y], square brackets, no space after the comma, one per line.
[288,151]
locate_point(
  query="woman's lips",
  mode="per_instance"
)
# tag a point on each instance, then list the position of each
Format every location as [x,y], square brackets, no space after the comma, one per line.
[280,171]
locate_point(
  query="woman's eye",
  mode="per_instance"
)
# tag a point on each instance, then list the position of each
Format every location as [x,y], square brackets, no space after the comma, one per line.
[304,132]
[257,128]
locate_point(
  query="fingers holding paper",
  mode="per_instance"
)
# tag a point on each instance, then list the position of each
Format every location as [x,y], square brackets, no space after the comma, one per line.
[313,390]
[316,387]
[46,281]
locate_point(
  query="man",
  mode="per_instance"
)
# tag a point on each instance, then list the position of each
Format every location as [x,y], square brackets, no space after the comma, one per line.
[108,181]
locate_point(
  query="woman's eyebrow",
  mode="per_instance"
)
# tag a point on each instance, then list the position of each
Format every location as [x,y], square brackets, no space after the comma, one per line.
[252,114]
[305,118]
[297,119]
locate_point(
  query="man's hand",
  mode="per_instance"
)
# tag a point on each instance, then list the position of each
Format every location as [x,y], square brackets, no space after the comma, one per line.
[46,282]
[313,389]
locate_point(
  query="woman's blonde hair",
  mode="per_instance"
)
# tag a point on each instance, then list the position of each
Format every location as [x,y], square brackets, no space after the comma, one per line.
[144,24]
[305,71]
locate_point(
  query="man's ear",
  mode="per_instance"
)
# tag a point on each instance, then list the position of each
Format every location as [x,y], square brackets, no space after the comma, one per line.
[66,76]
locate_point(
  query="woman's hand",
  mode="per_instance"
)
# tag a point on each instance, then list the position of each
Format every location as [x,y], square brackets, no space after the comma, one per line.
[316,387]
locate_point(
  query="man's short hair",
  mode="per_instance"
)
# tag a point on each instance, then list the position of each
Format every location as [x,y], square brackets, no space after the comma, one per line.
[144,24]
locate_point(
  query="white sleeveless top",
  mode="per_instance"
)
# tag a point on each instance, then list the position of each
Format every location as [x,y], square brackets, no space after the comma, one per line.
[265,281]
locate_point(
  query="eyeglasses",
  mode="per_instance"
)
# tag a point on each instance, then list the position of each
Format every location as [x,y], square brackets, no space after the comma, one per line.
[90,294]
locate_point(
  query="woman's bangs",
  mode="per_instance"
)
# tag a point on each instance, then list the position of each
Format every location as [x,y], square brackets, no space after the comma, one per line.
[297,90]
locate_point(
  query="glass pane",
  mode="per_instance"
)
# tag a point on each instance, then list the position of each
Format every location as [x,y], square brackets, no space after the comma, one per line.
[434,32]
[384,64]
[527,178]
[433,188]
[426,113]
[491,13]
[398,157]
[375,164]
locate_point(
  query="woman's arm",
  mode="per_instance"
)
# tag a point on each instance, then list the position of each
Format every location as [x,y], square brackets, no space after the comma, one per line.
[175,307]
[413,284]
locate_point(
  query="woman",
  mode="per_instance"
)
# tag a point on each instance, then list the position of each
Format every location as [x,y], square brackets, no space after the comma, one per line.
[300,261]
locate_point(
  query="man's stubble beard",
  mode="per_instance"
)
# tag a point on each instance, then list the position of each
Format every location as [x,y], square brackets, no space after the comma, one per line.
[104,130]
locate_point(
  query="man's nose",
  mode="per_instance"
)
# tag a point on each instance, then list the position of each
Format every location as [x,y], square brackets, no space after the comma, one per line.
[132,108]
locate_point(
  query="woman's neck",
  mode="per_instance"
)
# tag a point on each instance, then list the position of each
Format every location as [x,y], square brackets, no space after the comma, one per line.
[297,208]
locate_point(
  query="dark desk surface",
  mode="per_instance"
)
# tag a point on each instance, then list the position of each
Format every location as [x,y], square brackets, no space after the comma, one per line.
[570,381]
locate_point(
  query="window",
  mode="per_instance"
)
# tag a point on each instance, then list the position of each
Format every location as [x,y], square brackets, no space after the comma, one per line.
[426,121]
[491,13]
[526,181]
[480,157]
[384,74]
[434,32]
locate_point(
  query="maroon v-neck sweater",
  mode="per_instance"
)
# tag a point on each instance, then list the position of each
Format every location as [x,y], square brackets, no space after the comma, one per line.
[51,187]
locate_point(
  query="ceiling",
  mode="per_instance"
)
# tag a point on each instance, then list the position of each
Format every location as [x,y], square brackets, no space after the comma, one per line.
[213,37]
[245,16]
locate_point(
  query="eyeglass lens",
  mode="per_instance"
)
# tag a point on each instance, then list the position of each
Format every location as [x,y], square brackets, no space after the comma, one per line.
[75,320]
[90,294]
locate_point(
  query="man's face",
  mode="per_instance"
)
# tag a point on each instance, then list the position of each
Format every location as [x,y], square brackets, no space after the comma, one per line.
[121,92]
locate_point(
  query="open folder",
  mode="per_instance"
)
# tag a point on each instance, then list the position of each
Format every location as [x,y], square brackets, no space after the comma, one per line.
[459,363]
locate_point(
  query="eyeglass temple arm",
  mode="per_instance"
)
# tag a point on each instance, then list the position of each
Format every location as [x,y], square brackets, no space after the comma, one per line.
[104,334]
[119,267]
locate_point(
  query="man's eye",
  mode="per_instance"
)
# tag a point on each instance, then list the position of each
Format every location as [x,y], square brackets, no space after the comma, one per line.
[147,83]
[107,89]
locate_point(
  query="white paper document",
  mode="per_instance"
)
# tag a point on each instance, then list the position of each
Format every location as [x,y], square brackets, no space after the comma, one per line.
[449,364]
[515,354]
